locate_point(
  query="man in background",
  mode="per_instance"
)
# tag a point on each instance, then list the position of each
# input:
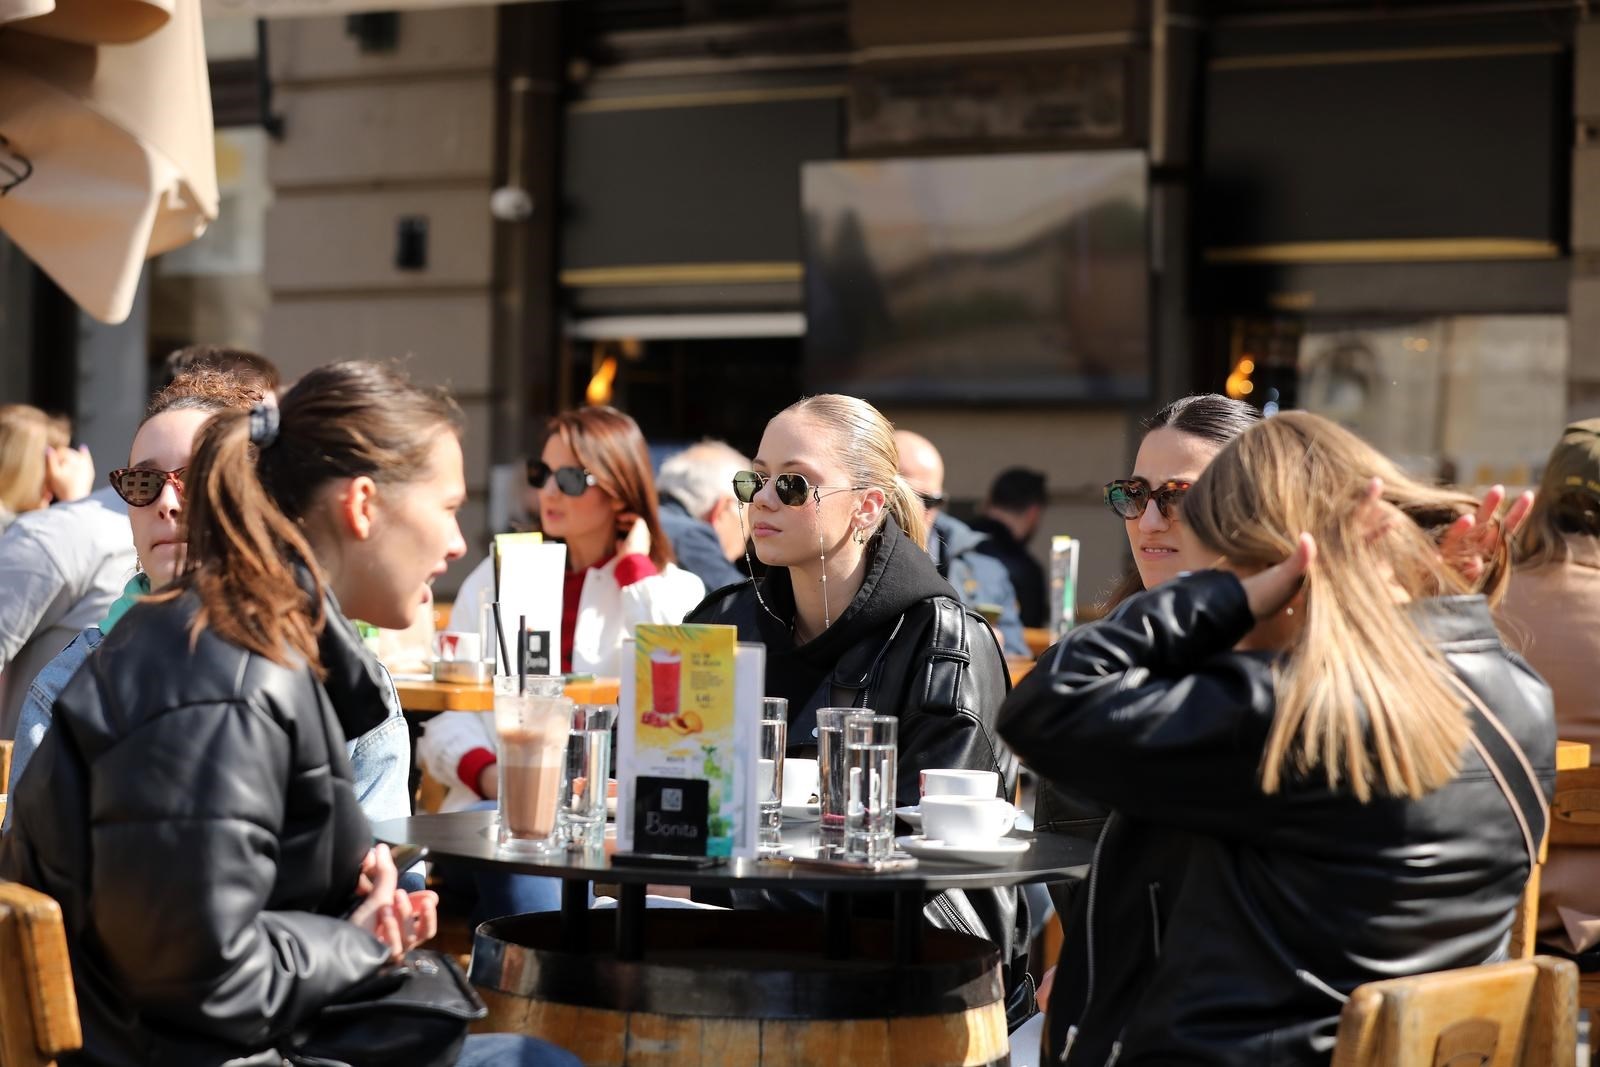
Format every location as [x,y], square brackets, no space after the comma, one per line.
[699,512]
[1010,518]
[981,581]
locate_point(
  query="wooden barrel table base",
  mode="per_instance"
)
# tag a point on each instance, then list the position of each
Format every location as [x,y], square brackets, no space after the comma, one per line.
[743,988]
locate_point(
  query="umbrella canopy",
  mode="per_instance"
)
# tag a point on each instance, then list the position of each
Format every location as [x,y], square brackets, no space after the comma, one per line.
[106,153]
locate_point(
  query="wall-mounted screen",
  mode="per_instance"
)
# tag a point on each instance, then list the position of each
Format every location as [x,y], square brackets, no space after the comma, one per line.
[1014,278]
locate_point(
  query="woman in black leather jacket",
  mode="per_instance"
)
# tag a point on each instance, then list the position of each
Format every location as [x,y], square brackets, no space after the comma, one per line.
[853,613]
[1302,729]
[192,807]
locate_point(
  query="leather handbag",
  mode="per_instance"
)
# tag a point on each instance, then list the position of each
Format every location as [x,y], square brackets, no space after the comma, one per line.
[413,1013]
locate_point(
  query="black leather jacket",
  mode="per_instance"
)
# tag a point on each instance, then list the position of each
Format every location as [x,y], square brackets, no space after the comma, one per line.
[191,809]
[1225,926]
[904,646]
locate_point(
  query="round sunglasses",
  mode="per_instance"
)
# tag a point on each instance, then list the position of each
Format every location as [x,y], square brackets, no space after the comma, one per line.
[140,486]
[573,481]
[792,489]
[1128,497]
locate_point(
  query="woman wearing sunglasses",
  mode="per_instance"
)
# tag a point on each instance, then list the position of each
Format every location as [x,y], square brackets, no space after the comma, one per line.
[1352,764]
[152,487]
[853,613]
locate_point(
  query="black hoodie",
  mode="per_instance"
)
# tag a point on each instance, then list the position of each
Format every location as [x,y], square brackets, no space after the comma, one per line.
[903,646]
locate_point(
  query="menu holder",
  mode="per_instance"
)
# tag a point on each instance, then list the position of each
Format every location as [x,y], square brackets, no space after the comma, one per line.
[688,735]
[1063,584]
[531,575]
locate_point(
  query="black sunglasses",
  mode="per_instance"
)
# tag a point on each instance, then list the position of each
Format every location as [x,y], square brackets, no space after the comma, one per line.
[932,500]
[573,481]
[1128,497]
[792,489]
[139,486]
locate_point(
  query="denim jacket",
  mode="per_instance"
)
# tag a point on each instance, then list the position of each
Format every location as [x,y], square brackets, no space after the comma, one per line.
[380,758]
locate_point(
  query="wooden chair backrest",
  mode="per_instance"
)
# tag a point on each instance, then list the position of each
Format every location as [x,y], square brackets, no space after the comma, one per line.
[5,764]
[1575,811]
[38,1007]
[1518,1014]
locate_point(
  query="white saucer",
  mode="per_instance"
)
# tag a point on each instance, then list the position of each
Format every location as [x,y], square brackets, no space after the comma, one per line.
[1003,849]
[910,814]
[802,812]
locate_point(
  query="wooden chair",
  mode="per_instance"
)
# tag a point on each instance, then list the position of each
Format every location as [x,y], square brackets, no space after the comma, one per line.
[1518,1014]
[38,1007]
[1575,824]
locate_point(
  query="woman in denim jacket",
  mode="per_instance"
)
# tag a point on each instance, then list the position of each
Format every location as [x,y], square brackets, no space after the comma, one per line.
[152,488]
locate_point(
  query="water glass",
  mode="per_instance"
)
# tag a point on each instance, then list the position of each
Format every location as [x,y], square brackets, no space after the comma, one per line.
[582,814]
[769,775]
[830,768]
[532,721]
[870,752]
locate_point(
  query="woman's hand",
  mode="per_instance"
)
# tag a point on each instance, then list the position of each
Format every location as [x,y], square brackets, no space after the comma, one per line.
[488,784]
[1470,542]
[400,920]
[1270,589]
[637,541]
[68,473]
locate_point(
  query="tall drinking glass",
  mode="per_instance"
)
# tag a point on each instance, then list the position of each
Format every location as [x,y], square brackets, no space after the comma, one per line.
[582,812]
[769,775]
[870,753]
[532,722]
[830,768]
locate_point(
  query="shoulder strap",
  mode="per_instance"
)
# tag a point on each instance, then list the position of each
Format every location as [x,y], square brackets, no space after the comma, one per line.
[1511,770]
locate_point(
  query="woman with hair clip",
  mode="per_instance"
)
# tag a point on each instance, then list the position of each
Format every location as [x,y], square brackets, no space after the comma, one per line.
[1329,722]
[853,613]
[192,808]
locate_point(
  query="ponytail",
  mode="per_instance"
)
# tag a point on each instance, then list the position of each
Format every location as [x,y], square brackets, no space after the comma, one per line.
[906,507]
[242,550]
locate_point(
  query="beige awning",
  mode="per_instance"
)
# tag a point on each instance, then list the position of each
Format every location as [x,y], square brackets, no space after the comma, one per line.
[106,153]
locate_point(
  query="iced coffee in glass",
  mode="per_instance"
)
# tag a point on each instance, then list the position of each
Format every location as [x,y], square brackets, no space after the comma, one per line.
[532,721]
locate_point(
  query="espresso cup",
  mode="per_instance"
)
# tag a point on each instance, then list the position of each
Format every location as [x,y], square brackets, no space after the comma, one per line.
[954,782]
[799,780]
[966,821]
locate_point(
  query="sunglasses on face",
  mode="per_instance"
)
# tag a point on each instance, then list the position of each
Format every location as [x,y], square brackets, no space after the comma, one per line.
[139,486]
[792,489]
[932,500]
[1129,497]
[573,481]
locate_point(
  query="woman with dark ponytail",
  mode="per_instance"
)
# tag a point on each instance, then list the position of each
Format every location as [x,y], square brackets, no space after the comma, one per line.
[191,807]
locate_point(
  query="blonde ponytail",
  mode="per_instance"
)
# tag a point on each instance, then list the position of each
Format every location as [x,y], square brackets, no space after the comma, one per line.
[906,508]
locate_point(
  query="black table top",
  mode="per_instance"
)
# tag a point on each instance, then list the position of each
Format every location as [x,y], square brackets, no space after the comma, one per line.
[467,837]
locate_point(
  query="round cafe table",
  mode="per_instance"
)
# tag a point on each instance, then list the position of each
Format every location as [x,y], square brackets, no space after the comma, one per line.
[468,838]
[646,988]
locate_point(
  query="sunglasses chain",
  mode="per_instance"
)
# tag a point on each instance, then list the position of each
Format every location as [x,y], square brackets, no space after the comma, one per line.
[822,557]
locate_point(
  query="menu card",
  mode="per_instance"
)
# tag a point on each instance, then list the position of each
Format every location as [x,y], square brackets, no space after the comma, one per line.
[687,741]
[1063,584]
[531,574]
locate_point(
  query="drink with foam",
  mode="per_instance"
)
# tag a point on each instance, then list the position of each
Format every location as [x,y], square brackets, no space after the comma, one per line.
[532,727]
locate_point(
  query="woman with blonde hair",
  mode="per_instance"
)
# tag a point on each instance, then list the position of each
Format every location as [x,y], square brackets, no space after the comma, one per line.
[1354,766]
[853,613]
[38,466]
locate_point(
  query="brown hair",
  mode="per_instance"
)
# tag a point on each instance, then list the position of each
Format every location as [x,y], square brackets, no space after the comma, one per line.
[25,433]
[246,504]
[247,368]
[1566,504]
[864,442]
[609,446]
[1362,695]
[203,390]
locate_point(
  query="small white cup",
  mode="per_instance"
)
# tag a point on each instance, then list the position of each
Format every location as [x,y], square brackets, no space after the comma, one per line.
[966,821]
[954,782]
[799,780]
[452,646]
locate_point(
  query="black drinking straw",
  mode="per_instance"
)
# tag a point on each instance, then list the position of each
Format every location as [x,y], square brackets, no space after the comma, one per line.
[500,632]
[522,654]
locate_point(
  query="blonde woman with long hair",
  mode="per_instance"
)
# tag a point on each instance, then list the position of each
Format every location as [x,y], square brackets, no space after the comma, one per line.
[38,466]
[1329,734]
[853,613]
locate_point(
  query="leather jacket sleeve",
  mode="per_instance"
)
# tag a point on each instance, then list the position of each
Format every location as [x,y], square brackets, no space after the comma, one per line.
[1150,712]
[184,843]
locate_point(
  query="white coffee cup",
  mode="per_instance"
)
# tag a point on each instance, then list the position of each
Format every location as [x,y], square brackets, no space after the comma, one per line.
[450,646]
[966,821]
[954,782]
[799,780]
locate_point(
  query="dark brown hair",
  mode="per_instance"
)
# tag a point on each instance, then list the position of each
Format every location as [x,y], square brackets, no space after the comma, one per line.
[246,505]
[247,368]
[610,447]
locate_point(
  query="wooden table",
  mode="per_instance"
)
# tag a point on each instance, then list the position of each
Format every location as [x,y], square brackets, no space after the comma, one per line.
[430,697]
[1571,755]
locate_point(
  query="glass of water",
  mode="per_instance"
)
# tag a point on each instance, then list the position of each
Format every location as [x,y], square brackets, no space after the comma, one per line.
[870,752]
[582,814]
[830,769]
[769,775]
